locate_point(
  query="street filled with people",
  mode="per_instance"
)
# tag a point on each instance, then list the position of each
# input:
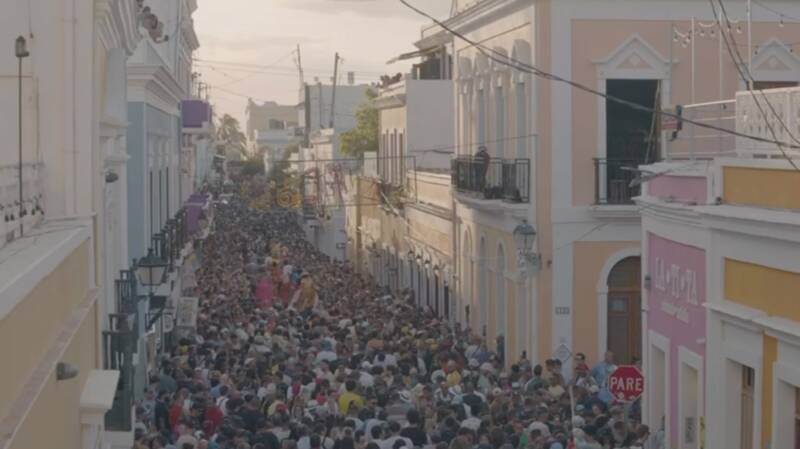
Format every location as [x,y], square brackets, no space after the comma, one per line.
[293,350]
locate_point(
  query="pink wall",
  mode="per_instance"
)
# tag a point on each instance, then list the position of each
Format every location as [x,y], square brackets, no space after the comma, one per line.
[682,188]
[675,302]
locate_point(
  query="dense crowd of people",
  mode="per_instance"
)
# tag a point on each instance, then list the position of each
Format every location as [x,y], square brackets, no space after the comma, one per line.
[325,358]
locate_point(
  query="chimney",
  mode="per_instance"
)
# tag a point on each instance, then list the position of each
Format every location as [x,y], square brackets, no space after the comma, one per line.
[351,78]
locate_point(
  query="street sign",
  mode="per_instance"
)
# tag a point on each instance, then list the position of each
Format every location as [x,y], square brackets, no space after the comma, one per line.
[626,383]
[562,353]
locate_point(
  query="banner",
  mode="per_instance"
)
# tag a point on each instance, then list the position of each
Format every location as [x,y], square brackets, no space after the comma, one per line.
[186,313]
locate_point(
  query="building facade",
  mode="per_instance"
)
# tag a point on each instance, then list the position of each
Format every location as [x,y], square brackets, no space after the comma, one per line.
[63,239]
[558,155]
[159,149]
[676,248]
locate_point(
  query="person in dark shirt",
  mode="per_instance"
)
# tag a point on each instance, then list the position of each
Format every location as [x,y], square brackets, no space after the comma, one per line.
[414,431]
[162,412]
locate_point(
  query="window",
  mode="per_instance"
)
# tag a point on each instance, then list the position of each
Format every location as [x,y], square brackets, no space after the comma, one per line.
[481,117]
[500,121]
[151,202]
[522,121]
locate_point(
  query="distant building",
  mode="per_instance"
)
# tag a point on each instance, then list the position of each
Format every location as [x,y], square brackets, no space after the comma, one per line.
[268,115]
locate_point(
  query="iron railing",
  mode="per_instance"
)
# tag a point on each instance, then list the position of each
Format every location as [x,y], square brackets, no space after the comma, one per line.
[119,345]
[612,181]
[503,179]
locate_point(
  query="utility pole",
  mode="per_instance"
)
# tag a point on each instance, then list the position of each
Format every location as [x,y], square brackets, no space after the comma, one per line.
[300,69]
[333,95]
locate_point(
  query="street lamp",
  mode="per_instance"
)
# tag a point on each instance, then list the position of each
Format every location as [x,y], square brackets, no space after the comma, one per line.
[524,238]
[21,52]
[151,269]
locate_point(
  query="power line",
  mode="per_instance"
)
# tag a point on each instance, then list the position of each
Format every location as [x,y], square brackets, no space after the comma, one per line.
[259,66]
[747,77]
[527,68]
[775,11]
[253,74]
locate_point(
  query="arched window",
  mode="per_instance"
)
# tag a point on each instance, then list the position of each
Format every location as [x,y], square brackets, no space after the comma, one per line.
[521,53]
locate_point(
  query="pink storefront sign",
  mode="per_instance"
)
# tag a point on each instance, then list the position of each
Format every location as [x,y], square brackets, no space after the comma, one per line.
[676,296]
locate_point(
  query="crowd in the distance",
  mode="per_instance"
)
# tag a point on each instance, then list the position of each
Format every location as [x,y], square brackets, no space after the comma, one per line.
[332,361]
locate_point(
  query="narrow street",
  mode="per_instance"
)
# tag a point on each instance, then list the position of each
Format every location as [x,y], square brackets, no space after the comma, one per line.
[291,347]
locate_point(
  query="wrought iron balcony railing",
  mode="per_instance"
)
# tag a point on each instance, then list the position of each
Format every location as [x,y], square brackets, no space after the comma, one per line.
[501,179]
[612,181]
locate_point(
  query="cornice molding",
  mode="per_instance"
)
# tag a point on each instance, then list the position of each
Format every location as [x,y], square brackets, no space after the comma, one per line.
[116,22]
[482,13]
[157,82]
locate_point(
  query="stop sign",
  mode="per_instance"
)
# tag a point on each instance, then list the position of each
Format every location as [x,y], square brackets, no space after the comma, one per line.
[626,383]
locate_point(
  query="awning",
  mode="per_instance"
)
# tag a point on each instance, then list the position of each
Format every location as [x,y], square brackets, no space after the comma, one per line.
[412,54]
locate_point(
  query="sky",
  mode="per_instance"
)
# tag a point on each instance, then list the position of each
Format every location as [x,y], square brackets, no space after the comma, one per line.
[247,47]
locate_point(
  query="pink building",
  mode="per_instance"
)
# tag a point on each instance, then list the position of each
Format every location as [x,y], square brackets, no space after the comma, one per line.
[674,319]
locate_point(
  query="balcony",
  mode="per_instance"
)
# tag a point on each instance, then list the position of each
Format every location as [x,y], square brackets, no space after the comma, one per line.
[16,216]
[499,179]
[612,182]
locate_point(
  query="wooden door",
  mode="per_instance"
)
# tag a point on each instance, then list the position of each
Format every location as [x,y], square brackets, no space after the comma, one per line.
[625,311]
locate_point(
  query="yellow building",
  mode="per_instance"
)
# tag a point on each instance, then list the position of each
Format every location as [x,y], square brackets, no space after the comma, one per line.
[753,352]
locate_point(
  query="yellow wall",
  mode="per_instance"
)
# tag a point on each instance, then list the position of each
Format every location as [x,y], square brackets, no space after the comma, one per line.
[771,291]
[588,261]
[761,187]
[37,319]
[767,289]
[56,411]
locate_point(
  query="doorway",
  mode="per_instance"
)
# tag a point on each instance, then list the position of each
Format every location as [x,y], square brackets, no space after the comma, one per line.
[747,407]
[631,135]
[625,311]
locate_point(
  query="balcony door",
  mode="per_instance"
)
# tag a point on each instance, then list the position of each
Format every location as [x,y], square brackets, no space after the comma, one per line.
[631,134]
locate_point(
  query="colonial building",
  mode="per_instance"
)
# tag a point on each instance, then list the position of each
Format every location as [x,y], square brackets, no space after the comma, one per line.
[560,155]
[400,230]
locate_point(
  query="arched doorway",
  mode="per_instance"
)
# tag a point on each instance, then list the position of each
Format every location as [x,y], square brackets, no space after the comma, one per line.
[483,279]
[625,310]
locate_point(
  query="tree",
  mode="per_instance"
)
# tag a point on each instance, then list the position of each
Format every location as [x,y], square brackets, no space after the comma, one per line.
[279,171]
[364,137]
[229,132]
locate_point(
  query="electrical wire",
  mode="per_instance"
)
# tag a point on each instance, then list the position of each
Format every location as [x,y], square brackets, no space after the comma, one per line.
[246,65]
[235,81]
[527,68]
[775,11]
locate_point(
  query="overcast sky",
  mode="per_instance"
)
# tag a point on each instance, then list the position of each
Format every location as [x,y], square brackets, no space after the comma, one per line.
[366,33]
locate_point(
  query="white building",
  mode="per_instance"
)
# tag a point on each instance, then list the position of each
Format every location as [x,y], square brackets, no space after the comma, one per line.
[55,292]
[159,79]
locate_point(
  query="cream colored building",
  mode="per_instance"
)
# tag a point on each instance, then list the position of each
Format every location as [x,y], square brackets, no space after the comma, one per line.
[558,152]
[401,229]
[54,299]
